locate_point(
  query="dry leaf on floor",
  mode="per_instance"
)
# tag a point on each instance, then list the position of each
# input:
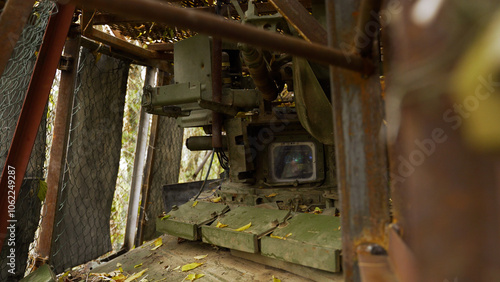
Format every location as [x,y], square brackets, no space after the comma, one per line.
[216,200]
[192,277]
[195,203]
[138,265]
[190,266]
[220,225]
[200,257]
[165,217]
[244,227]
[135,276]
[272,195]
[157,243]
[276,279]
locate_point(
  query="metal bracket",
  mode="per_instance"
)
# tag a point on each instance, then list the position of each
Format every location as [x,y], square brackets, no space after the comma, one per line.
[66,63]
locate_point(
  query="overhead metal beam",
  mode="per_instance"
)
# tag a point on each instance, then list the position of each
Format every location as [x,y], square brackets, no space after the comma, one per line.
[298,16]
[219,27]
[33,108]
[12,20]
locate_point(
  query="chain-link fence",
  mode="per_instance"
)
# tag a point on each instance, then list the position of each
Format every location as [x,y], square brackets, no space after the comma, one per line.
[93,200]
[13,86]
[82,224]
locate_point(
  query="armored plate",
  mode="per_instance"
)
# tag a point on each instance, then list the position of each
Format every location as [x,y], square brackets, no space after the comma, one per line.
[307,239]
[185,221]
[263,221]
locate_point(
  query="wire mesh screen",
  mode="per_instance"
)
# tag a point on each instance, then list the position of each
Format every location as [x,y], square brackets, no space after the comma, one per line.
[82,226]
[13,86]
[165,170]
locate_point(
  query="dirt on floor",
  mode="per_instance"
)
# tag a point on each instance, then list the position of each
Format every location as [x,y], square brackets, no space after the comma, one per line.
[165,263]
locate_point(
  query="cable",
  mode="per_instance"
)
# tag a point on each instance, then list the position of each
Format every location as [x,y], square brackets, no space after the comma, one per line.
[206,177]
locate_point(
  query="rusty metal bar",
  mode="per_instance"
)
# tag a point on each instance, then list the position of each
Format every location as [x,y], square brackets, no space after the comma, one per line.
[12,20]
[219,27]
[368,26]
[361,159]
[33,107]
[59,145]
[297,15]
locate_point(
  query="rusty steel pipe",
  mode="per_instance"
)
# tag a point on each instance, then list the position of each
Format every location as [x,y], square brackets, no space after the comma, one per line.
[259,72]
[219,27]
[367,26]
[33,108]
[12,20]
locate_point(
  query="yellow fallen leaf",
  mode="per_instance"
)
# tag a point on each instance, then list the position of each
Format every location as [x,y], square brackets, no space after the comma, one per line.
[277,237]
[118,264]
[119,278]
[157,242]
[244,227]
[195,203]
[276,279]
[216,200]
[200,257]
[317,210]
[138,265]
[271,195]
[177,268]
[135,275]
[190,266]
[220,225]
[192,277]
[63,276]
[155,248]
[165,217]
[339,227]
[288,235]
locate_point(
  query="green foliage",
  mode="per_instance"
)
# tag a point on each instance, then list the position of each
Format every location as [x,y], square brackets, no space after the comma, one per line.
[119,207]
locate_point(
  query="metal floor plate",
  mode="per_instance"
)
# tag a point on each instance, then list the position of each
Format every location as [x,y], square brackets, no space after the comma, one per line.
[185,221]
[262,221]
[307,239]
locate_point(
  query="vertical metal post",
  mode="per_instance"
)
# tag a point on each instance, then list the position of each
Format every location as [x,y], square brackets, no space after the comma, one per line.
[12,20]
[360,152]
[59,144]
[139,160]
[33,108]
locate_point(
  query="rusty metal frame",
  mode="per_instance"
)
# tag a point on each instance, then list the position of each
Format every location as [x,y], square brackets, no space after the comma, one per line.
[12,20]
[59,145]
[361,158]
[34,106]
[144,56]
[295,13]
[219,27]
